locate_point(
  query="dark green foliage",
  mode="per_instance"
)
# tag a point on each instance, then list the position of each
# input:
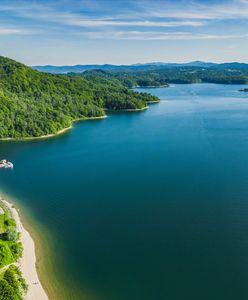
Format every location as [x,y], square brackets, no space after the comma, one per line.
[9,222]
[165,75]
[11,278]
[34,104]
[6,256]
[12,285]
[10,247]
[6,291]
[16,249]
[10,235]
[6,222]
[23,286]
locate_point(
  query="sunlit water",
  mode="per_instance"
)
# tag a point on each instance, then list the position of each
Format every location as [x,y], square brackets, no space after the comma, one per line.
[145,206]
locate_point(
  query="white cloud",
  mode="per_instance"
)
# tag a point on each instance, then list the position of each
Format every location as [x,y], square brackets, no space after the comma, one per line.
[174,11]
[79,21]
[12,31]
[150,15]
[146,36]
[237,9]
[49,14]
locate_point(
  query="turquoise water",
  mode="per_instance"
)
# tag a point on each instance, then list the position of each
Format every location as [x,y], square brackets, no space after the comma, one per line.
[145,206]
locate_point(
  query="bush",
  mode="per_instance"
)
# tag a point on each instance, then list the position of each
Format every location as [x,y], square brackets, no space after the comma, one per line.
[6,256]
[16,250]
[6,291]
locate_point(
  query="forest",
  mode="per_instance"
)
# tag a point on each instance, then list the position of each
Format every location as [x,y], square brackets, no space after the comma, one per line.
[34,104]
[163,76]
[12,284]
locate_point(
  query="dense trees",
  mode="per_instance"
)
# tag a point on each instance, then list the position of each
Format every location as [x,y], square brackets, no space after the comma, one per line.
[33,104]
[166,75]
[12,284]
[10,247]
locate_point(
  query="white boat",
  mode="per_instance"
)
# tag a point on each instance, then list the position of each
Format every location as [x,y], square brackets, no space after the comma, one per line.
[10,165]
[6,164]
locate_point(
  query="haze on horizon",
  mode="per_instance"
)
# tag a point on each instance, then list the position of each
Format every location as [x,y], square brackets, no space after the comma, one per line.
[63,32]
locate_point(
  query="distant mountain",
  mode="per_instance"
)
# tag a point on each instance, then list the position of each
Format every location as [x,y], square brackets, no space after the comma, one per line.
[190,64]
[232,65]
[137,67]
[73,69]
[200,64]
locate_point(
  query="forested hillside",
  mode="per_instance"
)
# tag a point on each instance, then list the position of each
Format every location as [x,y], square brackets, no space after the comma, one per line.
[34,104]
[165,75]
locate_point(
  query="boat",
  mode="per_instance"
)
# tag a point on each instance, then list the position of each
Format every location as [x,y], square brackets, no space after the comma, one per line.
[6,164]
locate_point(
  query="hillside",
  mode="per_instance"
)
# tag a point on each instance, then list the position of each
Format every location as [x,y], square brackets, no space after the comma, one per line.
[34,104]
[164,76]
[161,74]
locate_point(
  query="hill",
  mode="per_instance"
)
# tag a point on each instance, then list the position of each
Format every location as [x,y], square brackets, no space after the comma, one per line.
[154,66]
[35,104]
[180,75]
[75,69]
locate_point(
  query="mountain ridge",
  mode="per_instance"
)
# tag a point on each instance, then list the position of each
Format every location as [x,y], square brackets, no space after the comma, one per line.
[80,68]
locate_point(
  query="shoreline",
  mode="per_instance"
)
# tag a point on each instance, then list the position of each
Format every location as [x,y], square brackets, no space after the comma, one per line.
[53,134]
[152,102]
[28,262]
[151,86]
[128,109]
[48,136]
[135,109]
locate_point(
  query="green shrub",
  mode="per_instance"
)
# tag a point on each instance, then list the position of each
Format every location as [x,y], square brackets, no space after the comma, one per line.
[6,291]
[6,256]
[16,250]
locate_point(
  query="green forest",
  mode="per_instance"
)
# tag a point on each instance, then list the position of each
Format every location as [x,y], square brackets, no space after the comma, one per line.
[12,284]
[35,104]
[179,75]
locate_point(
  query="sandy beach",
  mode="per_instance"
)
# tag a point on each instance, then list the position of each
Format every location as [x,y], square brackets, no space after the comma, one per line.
[28,261]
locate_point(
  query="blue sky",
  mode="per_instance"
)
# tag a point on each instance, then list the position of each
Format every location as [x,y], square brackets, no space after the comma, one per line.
[123,31]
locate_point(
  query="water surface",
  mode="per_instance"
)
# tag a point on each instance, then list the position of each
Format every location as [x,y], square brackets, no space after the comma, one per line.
[145,206]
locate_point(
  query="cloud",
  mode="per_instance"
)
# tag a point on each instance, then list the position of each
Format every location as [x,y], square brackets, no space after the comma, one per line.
[197,10]
[132,13]
[12,31]
[151,35]
[129,22]
[78,21]
[52,15]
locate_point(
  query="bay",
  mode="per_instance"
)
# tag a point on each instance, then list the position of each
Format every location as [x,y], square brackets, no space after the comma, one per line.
[143,205]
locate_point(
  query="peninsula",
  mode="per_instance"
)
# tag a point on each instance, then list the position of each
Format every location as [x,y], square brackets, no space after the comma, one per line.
[35,104]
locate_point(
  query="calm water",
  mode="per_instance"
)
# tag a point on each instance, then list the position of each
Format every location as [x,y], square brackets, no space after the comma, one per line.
[145,206]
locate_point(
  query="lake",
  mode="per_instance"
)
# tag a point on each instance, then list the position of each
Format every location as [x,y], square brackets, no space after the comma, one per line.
[148,205]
